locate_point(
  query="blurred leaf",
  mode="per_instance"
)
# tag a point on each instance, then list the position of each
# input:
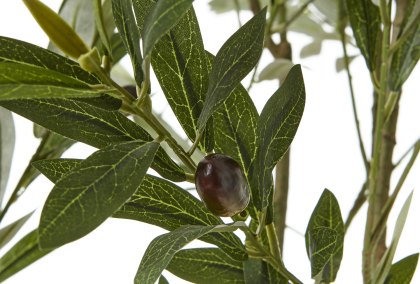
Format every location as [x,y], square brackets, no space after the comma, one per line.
[23,254]
[277,126]
[83,121]
[206,265]
[162,249]
[156,198]
[58,30]
[8,232]
[223,6]
[7,146]
[276,70]
[311,26]
[180,64]
[233,62]
[90,193]
[384,267]
[258,271]
[16,51]
[340,63]
[55,169]
[365,21]
[126,24]
[329,9]
[311,49]
[164,15]
[402,271]
[325,238]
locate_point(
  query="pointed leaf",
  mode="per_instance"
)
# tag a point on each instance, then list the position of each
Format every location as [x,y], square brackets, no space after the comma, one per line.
[156,198]
[90,193]
[126,24]
[235,59]
[162,280]
[56,169]
[180,64]
[206,265]
[161,250]
[8,232]
[365,21]
[83,121]
[325,237]
[402,271]
[59,32]
[163,16]
[7,146]
[277,126]
[23,254]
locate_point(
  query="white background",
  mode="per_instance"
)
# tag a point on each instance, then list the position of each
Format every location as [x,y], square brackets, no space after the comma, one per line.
[325,154]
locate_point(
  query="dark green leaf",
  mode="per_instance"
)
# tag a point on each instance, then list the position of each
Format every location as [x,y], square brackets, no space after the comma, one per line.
[325,237]
[142,8]
[365,21]
[162,280]
[55,169]
[256,271]
[164,15]
[91,192]
[156,198]
[180,64]
[161,250]
[238,55]
[126,24]
[206,265]
[7,146]
[81,120]
[277,126]
[16,51]
[118,49]
[8,232]
[402,271]
[24,253]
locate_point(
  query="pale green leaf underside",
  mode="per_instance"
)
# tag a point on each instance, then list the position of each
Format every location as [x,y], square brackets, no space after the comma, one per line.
[90,193]
[7,145]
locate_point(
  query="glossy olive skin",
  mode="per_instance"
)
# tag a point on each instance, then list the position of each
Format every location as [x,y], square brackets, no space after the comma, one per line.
[221,184]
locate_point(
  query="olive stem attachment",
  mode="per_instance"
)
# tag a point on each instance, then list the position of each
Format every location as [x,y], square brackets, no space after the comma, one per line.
[194,146]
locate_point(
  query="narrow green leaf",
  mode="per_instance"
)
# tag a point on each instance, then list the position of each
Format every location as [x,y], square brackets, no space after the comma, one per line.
[7,146]
[156,198]
[365,21]
[142,8]
[8,232]
[277,126]
[233,62]
[206,265]
[180,64]
[23,254]
[83,121]
[402,271]
[384,266]
[16,51]
[55,169]
[162,249]
[258,271]
[164,15]
[126,24]
[324,238]
[90,193]
[59,32]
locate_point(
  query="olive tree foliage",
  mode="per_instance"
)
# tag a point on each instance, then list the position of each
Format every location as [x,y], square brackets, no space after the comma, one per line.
[68,90]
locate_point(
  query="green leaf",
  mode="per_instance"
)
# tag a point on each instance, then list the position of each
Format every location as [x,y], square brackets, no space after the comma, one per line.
[258,271]
[161,250]
[90,193]
[238,55]
[365,21]
[180,64]
[55,169]
[276,70]
[324,238]
[407,54]
[21,255]
[126,24]
[17,51]
[402,271]
[276,128]
[8,232]
[162,280]
[142,8]
[83,121]
[164,15]
[156,198]
[7,146]
[206,265]
[311,49]
[384,266]
[340,64]
[59,32]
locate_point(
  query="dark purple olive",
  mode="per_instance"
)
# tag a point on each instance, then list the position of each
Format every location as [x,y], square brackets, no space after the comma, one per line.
[222,185]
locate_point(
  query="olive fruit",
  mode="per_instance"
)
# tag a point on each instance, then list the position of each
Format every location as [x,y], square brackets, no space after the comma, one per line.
[222,185]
